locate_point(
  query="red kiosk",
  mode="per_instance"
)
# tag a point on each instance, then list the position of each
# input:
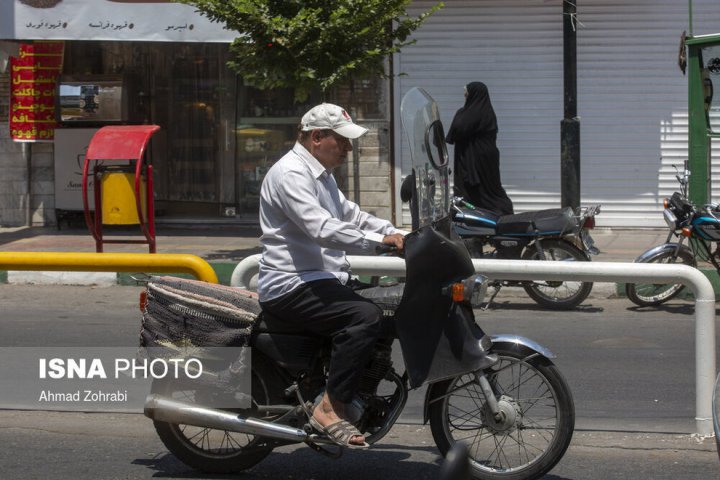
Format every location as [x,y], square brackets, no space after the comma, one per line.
[123,191]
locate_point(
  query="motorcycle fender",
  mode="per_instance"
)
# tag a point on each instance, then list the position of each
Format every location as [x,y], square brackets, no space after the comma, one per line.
[519,342]
[661,248]
[512,341]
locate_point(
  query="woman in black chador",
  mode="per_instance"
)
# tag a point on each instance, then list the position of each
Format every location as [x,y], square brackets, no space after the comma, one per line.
[477,159]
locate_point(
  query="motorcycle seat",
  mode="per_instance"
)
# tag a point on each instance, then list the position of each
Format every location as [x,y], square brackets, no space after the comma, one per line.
[553,221]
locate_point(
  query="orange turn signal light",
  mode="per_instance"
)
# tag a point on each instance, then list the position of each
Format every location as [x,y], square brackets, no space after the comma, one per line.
[666,203]
[458,292]
[687,232]
[143,300]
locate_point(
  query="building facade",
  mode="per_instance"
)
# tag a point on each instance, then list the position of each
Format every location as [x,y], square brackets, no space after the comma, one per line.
[219,136]
[632,96]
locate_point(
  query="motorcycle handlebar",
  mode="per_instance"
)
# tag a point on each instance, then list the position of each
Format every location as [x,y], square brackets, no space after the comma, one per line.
[386,250]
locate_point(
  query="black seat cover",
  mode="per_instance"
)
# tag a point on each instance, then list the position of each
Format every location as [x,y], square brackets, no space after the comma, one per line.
[553,221]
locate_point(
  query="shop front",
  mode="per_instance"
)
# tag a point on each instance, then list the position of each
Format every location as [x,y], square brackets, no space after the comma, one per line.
[217,138]
[164,64]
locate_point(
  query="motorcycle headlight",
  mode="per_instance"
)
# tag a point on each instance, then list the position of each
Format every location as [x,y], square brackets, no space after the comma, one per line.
[670,218]
[472,290]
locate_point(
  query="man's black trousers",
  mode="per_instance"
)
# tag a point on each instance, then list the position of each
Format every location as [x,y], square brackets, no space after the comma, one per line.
[329,308]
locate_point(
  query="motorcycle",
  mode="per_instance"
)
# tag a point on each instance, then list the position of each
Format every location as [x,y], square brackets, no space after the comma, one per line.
[500,395]
[548,235]
[700,226]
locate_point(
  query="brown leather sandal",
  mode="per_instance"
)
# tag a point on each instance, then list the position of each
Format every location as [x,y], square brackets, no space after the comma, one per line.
[340,433]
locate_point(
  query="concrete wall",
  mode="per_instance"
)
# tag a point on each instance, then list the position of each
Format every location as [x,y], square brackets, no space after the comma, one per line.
[370,105]
[373,155]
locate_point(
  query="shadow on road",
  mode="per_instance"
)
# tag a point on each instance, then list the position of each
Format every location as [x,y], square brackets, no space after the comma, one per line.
[507,305]
[681,308]
[381,462]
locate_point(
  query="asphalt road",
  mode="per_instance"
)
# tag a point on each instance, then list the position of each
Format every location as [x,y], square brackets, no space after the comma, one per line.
[631,372]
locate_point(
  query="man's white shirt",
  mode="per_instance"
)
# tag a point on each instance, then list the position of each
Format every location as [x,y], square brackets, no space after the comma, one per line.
[308,225]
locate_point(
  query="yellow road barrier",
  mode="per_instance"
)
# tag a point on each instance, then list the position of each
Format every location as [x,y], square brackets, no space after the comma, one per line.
[109,262]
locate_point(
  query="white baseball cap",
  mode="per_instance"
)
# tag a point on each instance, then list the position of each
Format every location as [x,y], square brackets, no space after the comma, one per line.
[332,117]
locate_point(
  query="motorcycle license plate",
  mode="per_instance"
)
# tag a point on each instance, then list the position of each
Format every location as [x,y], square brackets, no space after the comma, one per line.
[588,242]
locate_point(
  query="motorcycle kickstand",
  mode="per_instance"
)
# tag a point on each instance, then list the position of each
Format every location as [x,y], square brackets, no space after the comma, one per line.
[492,297]
[489,394]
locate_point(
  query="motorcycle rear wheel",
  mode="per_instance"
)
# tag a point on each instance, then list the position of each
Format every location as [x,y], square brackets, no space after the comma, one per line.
[219,451]
[653,294]
[558,295]
[539,417]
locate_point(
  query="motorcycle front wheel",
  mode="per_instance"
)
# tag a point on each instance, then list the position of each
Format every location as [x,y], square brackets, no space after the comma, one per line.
[219,451]
[558,295]
[653,294]
[538,417]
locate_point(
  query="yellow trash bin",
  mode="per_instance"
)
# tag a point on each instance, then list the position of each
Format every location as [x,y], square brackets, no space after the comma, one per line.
[118,199]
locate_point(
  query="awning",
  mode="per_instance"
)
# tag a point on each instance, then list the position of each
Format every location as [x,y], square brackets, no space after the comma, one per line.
[127,20]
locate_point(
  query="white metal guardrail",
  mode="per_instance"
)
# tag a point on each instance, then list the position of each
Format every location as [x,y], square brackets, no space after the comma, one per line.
[578,271]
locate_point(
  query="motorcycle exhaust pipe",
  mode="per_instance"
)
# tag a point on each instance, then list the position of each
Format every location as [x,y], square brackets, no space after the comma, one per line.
[164,409]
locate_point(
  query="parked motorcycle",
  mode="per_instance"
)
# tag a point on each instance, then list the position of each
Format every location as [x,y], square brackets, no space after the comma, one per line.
[500,395]
[700,226]
[550,235]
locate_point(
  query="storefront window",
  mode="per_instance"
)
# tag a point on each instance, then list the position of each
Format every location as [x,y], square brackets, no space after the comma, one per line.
[187,89]
[265,130]
[218,137]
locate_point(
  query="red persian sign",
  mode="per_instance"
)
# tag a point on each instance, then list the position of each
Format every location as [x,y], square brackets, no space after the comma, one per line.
[33,79]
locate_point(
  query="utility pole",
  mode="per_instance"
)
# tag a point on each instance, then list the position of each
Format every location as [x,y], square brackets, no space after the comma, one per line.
[570,124]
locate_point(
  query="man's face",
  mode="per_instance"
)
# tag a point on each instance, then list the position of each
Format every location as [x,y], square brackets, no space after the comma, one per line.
[330,148]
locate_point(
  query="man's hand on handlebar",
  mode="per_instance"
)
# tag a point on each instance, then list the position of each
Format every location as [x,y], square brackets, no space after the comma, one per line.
[396,240]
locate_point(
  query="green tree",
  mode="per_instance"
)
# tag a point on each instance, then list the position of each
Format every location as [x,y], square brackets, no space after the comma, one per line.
[311,44]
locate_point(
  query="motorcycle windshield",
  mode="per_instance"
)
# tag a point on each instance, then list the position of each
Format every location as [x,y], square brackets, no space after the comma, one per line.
[438,337]
[421,123]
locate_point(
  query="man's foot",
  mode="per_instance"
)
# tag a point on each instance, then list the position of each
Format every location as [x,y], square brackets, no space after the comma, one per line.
[342,433]
[327,416]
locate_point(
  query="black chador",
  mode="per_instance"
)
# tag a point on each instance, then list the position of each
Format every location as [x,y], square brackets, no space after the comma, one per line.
[477,160]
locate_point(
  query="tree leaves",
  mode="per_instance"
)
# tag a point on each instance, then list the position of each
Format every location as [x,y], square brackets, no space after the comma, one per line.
[311,44]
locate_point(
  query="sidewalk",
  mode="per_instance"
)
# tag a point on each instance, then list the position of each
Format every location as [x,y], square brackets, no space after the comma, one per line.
[223,246]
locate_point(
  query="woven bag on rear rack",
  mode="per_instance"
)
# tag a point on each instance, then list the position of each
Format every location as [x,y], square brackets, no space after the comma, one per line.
[181,312]
[189,319]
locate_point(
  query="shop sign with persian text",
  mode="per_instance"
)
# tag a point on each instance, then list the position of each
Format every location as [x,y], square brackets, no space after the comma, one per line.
[33,80]
[136,20]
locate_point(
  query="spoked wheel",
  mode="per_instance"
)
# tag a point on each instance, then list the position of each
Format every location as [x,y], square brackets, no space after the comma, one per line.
[218,451]
[535,426]
[653,294]
[558,295]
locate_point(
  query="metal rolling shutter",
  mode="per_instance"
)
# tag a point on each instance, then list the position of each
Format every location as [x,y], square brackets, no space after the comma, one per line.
[515,48]
[633,104]
[632,98]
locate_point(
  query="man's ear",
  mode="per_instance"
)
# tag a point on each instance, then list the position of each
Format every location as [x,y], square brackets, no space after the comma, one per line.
[316,136]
